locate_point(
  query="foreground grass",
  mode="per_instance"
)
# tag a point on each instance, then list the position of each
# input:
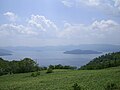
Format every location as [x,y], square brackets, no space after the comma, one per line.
[61,80]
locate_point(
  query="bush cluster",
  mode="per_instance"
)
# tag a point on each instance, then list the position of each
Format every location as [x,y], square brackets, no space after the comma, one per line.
[59,66]
[76,87]
[112,86]
[49,70]
[35,74]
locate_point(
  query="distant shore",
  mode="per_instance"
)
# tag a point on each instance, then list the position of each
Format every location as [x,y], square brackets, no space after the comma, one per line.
[78,51]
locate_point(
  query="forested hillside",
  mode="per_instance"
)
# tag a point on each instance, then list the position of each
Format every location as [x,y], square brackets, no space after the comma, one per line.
[104,61]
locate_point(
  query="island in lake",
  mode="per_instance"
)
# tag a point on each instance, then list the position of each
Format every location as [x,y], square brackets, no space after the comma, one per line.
[4,52]
[78,51]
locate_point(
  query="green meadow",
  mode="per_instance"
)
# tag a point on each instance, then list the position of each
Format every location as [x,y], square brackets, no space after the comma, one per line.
[62,80]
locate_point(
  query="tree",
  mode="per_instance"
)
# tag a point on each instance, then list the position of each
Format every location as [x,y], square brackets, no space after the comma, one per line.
[51,66]
[27,65]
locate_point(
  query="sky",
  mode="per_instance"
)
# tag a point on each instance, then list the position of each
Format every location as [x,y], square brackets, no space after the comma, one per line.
[59,22]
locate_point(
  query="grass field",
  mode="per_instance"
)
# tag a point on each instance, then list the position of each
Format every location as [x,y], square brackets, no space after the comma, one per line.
[61,80]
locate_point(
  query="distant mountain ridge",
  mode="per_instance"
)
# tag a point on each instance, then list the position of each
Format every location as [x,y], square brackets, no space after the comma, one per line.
[79,51]
[4,52]
[95,47]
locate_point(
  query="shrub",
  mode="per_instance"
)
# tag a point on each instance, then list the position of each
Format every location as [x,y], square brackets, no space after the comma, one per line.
[38,72]
[33,74]
[112,86]
[76,87]
[49,70]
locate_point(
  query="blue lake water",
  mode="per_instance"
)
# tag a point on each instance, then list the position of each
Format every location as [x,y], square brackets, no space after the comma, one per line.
[45,58]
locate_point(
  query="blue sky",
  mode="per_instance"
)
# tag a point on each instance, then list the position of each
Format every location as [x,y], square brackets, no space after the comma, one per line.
[59,22]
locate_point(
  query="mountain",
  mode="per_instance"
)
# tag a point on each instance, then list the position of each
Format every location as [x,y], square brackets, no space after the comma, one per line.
[4,52]
[78,51]
[94,47]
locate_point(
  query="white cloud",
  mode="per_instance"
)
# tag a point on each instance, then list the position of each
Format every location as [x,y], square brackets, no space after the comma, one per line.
[41,23]
[90,2]
[117,4]
[15,30]
[104,25]
[109,6]
[37,25]
[73,31]
[41,29]
[104,31]
[67,3]
[97,32]
[11,16]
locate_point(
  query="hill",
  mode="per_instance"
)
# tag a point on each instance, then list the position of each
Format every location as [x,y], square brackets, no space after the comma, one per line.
[95,47]
[78,51]
[104,61]
[4,52]
[62,80]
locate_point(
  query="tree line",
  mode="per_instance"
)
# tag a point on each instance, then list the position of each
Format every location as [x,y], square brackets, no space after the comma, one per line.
[104,61]
[22,66]
[26,65]
[59,66]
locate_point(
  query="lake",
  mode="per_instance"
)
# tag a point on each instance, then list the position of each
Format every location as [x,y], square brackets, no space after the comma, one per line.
[45,58]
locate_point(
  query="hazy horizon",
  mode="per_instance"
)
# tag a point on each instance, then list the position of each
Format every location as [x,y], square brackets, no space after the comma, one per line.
[64,45]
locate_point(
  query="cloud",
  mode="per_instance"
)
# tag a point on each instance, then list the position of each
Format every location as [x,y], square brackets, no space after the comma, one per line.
[36,25]
[109,6]
[117,4]
[104,25]
[15,30]
[90,2]
[97,32]
[73,31]
[67,3]
[11,16]
[40,29]
[42,25]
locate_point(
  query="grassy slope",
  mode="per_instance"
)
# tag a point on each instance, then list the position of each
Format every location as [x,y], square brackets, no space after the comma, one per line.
[61,80]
